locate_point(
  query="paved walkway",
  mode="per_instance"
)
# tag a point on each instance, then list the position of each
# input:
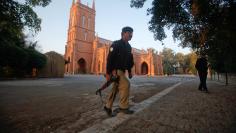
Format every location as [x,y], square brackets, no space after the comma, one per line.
[181,109]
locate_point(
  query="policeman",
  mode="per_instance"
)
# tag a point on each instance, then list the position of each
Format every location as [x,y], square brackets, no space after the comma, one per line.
[119,60]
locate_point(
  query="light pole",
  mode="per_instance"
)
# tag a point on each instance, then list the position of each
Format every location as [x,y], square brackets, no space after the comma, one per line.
[174,68]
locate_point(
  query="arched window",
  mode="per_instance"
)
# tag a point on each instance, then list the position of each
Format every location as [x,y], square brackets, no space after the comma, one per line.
[89,23]
[73,20]
[83,21]
[85,36]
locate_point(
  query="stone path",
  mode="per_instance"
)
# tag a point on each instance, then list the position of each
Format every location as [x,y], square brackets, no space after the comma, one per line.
[111,123]
[183,110]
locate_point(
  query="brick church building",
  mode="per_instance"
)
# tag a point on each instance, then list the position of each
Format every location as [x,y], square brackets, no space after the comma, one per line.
[87,53]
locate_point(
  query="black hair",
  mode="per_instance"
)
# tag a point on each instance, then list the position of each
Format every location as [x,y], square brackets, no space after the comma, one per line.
[127,29]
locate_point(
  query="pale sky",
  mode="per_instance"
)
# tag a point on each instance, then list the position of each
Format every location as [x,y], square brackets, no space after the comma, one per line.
[111,16]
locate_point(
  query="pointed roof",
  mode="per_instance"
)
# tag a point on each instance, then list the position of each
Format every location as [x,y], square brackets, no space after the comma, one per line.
[73,2]
[93,4]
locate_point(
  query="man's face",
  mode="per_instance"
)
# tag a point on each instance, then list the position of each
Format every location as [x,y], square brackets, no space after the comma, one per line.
[127,36]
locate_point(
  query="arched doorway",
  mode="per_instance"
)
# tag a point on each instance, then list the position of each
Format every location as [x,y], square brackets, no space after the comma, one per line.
[144,68]
[82,66]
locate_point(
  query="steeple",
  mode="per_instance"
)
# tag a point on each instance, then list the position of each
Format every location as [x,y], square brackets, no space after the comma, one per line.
[93,4]
[78,1]
[96,37]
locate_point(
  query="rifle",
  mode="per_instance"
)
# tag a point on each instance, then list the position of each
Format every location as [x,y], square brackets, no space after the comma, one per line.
[107,84]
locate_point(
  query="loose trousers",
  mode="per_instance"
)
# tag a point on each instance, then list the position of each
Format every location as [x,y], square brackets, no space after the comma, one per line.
[123,87]
[202,77]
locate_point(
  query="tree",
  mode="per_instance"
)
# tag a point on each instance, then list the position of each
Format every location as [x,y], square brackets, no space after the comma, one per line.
[168,60]
[180,62]
[207,26]
[16,16]
[173,63]
[14,51]
[36,59]
[191,59]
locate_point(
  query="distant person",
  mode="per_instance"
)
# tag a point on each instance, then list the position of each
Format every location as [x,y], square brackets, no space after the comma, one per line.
[202,67]
[119,60]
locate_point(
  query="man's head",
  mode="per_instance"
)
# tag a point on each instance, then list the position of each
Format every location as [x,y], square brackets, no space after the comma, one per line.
[127,33]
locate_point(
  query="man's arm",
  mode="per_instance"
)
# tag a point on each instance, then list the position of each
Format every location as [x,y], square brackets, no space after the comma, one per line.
[197,64]
[110,59]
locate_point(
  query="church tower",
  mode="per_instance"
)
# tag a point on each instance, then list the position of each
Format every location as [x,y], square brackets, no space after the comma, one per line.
[80,37]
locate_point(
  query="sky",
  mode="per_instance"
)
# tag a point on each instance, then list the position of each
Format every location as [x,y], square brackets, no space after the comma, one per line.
[111,16]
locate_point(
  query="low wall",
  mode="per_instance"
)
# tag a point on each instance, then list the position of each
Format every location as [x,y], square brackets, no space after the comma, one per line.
[55,66]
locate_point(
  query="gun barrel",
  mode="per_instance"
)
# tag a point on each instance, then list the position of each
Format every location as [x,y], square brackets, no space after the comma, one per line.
[105,85]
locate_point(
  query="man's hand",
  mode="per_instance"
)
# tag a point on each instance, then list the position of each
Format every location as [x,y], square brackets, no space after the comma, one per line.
[130,75]
[114,73]
[108,77]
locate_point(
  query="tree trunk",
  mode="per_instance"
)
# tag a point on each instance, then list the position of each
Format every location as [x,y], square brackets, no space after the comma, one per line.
[226,78]
[214,75]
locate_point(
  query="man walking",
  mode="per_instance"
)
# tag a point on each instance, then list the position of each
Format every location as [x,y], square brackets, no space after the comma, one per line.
[119,60]
[201,66]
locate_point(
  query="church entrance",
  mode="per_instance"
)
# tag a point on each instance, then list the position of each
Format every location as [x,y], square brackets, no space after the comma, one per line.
[82,66]
[144,68]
